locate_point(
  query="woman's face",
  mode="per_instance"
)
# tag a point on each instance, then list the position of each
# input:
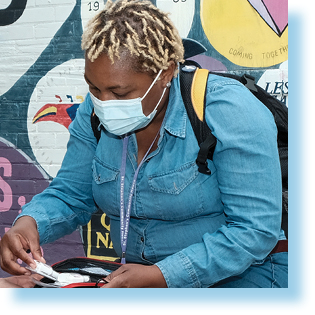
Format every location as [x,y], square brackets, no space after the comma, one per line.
[109,81]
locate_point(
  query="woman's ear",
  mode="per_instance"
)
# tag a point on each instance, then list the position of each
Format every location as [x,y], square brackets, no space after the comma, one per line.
[168,74]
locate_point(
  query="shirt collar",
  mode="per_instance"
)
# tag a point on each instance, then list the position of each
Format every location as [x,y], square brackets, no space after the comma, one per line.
[176,115]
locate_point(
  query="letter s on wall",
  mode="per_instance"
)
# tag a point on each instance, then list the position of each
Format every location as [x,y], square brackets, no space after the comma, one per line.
[5,189]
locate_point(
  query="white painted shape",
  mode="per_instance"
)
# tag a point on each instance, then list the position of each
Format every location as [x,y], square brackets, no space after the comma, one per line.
[4,4]
[89,9]
[181,13]
[65,79]
[276,75]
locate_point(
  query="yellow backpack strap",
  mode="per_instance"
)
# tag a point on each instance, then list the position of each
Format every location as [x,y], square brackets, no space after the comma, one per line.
[193,84]
[198,90]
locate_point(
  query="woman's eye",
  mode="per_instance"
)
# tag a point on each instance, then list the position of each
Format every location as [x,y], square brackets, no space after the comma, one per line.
[93,88]
[119,95]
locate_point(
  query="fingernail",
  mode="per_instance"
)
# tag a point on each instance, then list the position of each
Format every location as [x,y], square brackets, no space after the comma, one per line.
[33,266]
[43,260]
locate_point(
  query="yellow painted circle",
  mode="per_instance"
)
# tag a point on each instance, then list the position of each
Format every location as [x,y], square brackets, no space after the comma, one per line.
[239,33]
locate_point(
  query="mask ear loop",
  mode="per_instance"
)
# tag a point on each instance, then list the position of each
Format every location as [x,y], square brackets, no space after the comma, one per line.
[156,78]
[168,84]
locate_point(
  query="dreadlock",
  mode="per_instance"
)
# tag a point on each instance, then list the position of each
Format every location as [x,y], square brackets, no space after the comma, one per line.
[138,27]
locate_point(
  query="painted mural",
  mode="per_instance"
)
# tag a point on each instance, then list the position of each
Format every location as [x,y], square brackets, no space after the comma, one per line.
[249,33]
[42,85]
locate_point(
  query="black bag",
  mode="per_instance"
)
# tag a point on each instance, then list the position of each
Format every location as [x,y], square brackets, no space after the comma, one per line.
[94,268]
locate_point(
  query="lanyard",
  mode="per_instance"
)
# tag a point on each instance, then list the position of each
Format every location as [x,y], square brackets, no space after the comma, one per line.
[125,216]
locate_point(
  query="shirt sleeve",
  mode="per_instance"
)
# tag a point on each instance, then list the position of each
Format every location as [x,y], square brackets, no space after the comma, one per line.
[249,177]
[68,201]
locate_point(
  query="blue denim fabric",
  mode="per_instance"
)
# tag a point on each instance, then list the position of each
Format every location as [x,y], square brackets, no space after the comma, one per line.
[198,229]
[271,272]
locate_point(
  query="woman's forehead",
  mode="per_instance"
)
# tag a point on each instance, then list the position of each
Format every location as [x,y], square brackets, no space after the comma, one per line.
[120,73]
[103,63]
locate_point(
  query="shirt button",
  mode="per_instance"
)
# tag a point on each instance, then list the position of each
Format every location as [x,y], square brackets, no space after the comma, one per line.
[142,239]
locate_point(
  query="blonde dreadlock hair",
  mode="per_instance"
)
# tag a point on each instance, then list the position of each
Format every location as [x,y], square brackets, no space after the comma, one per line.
[135,26]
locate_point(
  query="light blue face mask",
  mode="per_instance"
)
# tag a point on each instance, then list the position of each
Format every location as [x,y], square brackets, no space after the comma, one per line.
[120,117]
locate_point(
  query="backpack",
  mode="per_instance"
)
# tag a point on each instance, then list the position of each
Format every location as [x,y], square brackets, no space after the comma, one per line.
[193,82]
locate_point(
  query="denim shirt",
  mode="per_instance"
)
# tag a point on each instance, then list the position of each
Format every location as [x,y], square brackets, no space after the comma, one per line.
[198,229]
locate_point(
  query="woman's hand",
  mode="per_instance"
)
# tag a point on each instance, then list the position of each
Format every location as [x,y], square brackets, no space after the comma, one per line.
[18,281]
[136,276]
[21,237]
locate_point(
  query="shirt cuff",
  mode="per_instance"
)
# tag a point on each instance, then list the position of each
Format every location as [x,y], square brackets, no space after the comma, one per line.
[179,272]
[42,222]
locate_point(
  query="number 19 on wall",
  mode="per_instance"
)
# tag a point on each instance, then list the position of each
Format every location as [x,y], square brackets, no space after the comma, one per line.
[93,6]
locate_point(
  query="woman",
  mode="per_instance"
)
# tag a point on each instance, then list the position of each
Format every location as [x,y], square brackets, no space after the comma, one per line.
[174,226]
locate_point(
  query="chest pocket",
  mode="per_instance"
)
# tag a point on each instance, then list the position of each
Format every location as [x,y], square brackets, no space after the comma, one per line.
[105,185]
[173,194]
[103,173]
[175,181]
[180,194]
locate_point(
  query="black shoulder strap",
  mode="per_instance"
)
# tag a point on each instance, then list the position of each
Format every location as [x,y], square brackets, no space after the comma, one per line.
[95,123]
[205,138]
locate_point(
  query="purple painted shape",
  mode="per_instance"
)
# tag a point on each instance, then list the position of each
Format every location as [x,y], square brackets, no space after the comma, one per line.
[20,180]
[209,63]
[274,13]
[279,12]
[23,178]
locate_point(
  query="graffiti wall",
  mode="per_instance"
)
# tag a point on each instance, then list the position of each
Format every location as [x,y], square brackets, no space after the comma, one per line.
[42,85]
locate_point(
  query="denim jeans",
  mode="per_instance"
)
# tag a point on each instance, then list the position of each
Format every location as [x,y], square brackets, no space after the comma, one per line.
[271,273]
